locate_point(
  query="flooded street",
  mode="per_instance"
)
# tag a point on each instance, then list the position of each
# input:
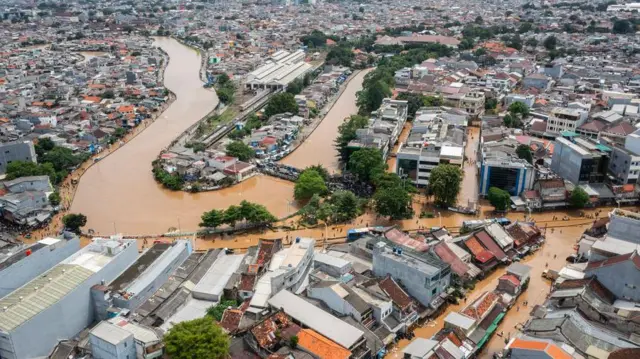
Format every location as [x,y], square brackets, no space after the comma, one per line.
[319,147]
[119,192]
[559,244]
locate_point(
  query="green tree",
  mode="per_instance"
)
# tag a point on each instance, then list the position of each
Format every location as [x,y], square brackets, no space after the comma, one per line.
[44,145]
[17,169]
[340,55]
[524,152]
[366,164]
[478,20]
[255,213]
[519,108]
[240,150]
[550,42]
[197,339]
[622,27]
[309,183]
[213,218]
[347,132]
[394,202]
[119,132]
[499,199]
[346,205]
[281,103]
[293,340]
[579,198]
[321,170]
[531,42]
[445,183]
[232,215]
[73,222]
[490,104]
[414,102]
[222,79]
[54,198]
[225,94]
[295,87]
[370,98]
[61,158]
[217,311]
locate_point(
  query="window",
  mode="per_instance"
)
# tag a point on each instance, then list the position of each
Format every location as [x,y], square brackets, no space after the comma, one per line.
[434,291]
[125,345]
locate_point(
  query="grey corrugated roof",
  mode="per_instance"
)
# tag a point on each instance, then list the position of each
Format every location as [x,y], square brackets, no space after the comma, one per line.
[39,294]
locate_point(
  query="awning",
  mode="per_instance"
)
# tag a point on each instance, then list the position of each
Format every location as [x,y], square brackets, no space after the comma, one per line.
[490,330]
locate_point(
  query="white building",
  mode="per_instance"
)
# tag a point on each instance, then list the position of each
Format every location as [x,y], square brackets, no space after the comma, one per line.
[25,263]
[287,269]
[278,71]
[57,304]
[118,338]
[566,119]
[435,138]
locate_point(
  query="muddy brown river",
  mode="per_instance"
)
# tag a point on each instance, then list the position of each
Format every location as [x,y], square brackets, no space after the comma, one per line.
[319,147]
[119,194]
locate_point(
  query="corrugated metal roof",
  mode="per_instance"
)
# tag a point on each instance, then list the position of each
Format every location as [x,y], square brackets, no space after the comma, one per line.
[39,294]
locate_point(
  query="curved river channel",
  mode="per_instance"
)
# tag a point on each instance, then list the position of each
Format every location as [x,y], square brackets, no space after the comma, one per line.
[119,195]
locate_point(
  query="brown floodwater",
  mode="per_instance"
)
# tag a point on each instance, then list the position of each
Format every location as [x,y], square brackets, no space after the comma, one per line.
[119,194]
[319,147]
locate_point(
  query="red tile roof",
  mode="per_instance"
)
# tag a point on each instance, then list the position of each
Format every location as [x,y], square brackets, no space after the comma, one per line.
[511,278]
[395,292]
[448,256]
[490,244]
[231,320]
[479,252]
[480,306]
[398,237]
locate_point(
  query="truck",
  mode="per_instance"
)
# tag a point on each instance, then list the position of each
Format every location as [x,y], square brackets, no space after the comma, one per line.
[550,274]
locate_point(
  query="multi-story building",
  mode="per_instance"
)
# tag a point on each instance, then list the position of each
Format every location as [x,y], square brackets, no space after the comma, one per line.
[26,263]
[286,271]
[500,167]
[384,128]
[581,161]
[424,276]
[473,103]
[435,138]
[16,151]
[57,304]
[625,162]
[565,119]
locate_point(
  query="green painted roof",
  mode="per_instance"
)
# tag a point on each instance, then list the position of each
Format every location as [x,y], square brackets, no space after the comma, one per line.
[569,134]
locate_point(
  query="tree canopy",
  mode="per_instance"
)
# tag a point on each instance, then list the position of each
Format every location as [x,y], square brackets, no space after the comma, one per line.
[550,42]
[370,98]
[579,198]
[393,201]
[73,222]
[444,182]
[346,133]
[309,183]
[524,152]
[281,103]
[240,150]
[499,198]
[519,108]
[340,55]
[197,339]
[252,213]
[366,164]
[622,27]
